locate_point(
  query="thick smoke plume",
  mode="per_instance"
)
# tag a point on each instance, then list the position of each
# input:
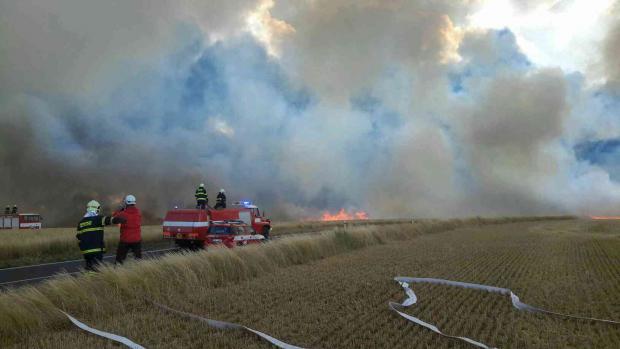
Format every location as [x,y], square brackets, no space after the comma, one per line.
[392,107]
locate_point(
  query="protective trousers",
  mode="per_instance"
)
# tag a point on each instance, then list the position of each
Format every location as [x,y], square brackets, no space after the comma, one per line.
[93,260]
[123,249]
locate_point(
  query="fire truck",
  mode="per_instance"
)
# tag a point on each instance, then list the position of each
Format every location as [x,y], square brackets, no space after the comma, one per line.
[197,228]
[20,221]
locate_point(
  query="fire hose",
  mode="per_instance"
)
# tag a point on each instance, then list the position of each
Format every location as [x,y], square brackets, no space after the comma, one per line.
[412,299]
[111,336]
[222,325]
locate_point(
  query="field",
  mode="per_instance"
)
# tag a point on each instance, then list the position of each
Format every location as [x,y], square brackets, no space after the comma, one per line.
[26,247]
[331,290]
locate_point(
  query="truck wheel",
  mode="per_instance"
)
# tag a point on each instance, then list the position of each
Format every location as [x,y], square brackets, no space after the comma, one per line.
[266,232]
[184,244]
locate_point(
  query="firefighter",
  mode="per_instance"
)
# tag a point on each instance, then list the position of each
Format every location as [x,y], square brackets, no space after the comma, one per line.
[90,234]
[131,235]
[7,209]
[202,199]
[14,211]
[220,201]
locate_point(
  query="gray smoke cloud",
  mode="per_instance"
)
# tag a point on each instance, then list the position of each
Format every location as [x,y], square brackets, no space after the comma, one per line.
[64,139]
[386,106]
[612,50]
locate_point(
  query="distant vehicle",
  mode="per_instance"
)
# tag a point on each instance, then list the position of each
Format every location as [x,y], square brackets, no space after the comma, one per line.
[21,221]
[197,228]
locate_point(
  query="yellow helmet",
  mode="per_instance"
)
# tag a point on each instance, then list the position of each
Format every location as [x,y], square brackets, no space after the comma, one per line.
[93,206]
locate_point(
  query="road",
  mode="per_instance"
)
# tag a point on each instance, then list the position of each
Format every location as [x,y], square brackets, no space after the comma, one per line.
[29,274]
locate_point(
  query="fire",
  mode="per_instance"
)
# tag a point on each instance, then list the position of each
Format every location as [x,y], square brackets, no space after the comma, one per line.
[600,218]
[343,215]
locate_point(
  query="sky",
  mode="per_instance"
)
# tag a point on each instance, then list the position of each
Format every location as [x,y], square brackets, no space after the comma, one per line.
[444,108]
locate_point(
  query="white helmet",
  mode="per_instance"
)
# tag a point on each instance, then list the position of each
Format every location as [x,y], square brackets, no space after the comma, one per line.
[222,191]
[130,200]
[93,206]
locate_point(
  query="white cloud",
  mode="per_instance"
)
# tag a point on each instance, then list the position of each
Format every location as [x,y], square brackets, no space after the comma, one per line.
[552,33]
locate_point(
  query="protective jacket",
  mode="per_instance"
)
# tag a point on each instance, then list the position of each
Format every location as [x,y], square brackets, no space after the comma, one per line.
[90,232]
[130,230]
[221,199]
[201,194]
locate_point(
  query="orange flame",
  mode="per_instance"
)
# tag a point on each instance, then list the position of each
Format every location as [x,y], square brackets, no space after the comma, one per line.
[343,215]
[607,218]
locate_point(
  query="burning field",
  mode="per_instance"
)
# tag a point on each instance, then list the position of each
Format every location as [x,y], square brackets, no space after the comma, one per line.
[331,290]
[343,215]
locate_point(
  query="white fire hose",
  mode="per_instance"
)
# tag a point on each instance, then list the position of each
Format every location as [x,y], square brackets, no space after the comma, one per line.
[412,299]
[229,326]
[107,335]
[213,323]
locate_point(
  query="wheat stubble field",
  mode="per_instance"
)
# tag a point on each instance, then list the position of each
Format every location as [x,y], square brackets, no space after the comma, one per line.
[332,291]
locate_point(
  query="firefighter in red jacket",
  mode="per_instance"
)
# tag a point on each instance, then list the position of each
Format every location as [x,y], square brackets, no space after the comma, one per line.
[131,234]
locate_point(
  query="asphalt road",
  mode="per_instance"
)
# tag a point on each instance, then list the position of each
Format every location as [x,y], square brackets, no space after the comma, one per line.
[29,274]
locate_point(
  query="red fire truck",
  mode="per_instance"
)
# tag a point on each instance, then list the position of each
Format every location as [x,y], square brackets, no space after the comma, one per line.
[20,221]
[195,228]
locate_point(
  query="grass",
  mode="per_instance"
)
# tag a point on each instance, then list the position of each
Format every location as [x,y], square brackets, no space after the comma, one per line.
[26,247]
[116,299]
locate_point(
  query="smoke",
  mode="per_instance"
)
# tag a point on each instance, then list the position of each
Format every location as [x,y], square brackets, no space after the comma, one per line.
[392,107]
[612,50]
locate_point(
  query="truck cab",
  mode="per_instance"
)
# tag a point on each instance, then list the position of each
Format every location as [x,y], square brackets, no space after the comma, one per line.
[246,212]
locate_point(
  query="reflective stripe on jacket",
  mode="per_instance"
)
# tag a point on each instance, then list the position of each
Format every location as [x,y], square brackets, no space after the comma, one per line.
[90,234]
[201,194]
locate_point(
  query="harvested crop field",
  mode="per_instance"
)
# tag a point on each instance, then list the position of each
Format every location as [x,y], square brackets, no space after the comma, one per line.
[341,299]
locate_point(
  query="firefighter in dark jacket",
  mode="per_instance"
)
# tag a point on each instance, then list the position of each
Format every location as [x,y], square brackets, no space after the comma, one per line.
[220,201]
[90,234]
[131,234]
[202,199]
[14,211]
[7,209]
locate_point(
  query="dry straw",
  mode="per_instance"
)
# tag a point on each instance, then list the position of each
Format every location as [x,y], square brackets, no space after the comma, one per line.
[29,310]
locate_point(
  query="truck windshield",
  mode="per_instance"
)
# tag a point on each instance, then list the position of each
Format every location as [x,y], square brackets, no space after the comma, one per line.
[223,230]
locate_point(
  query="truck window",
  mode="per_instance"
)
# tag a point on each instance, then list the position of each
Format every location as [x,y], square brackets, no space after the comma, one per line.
[219,230]
[245,216]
